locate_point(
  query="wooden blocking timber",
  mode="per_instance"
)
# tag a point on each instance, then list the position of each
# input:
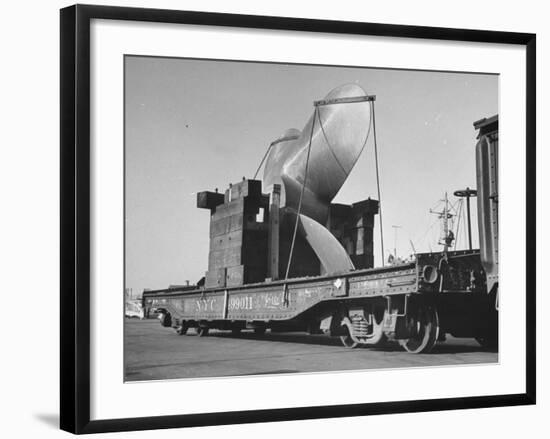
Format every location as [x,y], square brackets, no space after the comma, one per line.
[364,260]
[273,233]
[242,274]
[246,188]
[227,257]
[338,220]
[364,211]
[238,235]
[234,276]
[209,200]
[224,225]
[353,226]
[226,240]
[228,209]
[215,278]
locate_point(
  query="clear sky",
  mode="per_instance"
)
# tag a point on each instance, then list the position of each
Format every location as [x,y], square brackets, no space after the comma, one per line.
[194,125]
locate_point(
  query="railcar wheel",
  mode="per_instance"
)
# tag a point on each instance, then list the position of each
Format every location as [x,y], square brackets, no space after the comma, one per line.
[259,331]
[202,331]
[347,341]
[425,325]
[235,331]
[182,330]
[165,319]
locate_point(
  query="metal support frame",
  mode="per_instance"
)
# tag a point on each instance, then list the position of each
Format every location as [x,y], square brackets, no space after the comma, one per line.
[225,303]
[349,100]
[285,294]
[273,240]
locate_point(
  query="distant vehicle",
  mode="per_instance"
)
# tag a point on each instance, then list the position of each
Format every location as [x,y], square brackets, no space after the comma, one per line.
[133,309]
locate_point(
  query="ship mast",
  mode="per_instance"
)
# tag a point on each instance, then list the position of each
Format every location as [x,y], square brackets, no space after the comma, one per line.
[446,224]
[447,237]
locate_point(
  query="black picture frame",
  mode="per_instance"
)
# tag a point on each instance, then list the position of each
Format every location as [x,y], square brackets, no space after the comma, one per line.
[75,217]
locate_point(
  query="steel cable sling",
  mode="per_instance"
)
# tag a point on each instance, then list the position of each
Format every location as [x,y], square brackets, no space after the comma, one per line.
[301,192]
[371,100]
[301,196]
[263,159]
[377,179]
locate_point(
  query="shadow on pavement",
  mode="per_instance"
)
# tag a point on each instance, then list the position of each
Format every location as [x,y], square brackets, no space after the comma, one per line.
[457,346]
[285,338]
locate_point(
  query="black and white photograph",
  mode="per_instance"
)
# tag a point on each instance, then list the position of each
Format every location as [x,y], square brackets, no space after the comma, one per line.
[294,218]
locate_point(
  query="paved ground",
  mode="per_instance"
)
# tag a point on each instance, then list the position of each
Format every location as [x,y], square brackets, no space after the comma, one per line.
[153,352]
